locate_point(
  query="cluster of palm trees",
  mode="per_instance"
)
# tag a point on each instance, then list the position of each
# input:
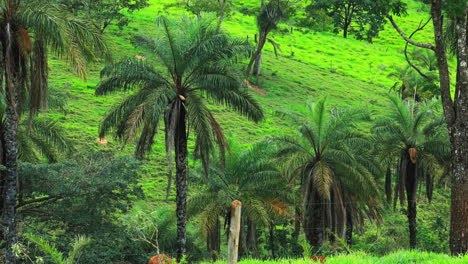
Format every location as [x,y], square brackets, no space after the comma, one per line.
[335,167]
[332,175]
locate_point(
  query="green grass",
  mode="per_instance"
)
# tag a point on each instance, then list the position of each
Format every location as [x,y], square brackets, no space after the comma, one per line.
[400,257]
[311,65]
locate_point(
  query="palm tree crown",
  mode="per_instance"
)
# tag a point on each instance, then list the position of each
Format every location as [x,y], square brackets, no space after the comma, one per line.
[335,168]
[197,62]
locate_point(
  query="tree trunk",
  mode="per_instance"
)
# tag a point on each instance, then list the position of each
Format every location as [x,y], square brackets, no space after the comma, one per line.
[261,43]
[256,68]
[11,150]
[345,30]
[297,225]
[243,248]
[459,140]
[221,13]
[169,185]
[213,242]
[271,230]
[388,185]
[181,181]
[253,244]
[459,197]
[314,220]
[349,227]
[411,185]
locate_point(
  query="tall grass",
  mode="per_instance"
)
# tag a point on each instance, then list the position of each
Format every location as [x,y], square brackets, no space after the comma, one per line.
[400,257]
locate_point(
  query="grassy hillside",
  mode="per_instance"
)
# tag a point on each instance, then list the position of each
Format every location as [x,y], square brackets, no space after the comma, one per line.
[311,65]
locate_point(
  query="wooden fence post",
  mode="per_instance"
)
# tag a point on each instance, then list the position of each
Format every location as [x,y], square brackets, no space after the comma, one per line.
[234,230]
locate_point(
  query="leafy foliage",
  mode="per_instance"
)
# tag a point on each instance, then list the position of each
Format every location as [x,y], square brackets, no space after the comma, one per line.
[57,257]
[104,13]
[74,194]
[363,18]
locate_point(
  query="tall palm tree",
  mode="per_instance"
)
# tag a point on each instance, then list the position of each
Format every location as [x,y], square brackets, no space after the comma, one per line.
[250,177]
[412,134]
[332,162]
[28,30]
[197,59]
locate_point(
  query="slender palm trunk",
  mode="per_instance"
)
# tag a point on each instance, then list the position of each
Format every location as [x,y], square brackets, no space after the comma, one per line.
[297,225]
[271,229]
[411,185]
[252,233]
[257,64]
[349,227]
[388,185]
[213,241]
[181,181]
[261,44]
[169,185]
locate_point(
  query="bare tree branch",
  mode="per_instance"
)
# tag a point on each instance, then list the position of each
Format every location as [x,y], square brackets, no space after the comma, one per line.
[409,40]
[420,27]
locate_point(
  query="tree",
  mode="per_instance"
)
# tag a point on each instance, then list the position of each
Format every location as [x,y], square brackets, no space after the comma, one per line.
[104,13]
[335,168]
[364,18]
[410,133]
[220,7]
[268,19]
[198,62]
[412,85]
[250,177]
[28,30]
[455,107]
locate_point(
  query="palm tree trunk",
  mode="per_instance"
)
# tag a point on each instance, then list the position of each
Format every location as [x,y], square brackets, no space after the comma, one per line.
[271,230]
[253,244]
[214,241]
[243,247]
[11,150]
[411,185]
[314,220]
[297,225]
[349,227]
[256,67]
[181,181]
[388,185]
[169,185]
[261,43]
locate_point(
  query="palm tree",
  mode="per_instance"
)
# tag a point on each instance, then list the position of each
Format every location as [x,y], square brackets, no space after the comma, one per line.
[332,161]
[250,177]
[412,134]
[198,62]
[412,85]
[28,30]
[268,19]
